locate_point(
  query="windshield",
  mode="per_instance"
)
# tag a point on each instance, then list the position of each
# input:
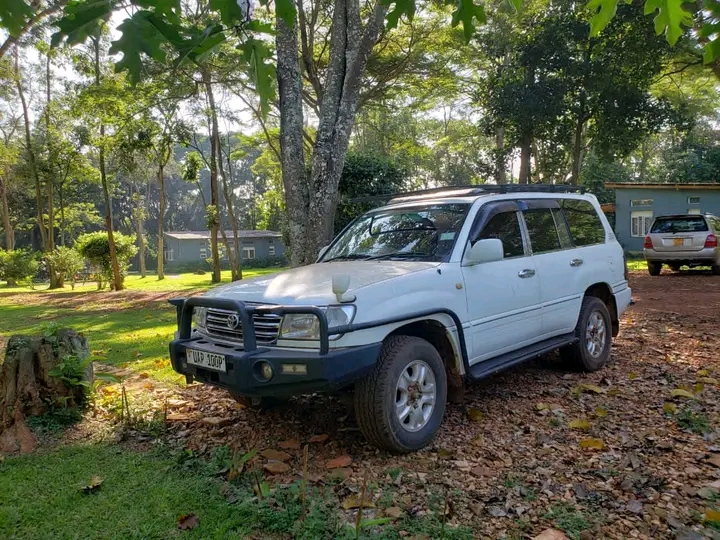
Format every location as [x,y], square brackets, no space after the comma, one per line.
[679,225]
[424,233]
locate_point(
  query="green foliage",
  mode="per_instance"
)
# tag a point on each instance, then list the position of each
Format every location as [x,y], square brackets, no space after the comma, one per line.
[13,14]
[366,175]
[71,370]
[65,261]
[95,247]
[18,265]
[696,422]
[596,172]
[568,519]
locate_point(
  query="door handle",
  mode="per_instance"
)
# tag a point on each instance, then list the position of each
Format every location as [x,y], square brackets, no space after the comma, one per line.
[576,262]
[528,272]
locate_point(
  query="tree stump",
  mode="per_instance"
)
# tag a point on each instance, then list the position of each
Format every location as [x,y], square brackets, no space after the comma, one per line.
[28,389]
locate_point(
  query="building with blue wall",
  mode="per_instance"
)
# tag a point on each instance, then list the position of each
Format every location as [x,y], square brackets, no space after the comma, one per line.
[636,205]
[183,247]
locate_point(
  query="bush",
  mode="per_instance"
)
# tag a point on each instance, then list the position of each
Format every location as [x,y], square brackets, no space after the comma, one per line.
[17,265]
[95,247]
[66,262]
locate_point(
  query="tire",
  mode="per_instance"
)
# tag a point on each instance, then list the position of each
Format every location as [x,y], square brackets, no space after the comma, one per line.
[654,268]
[378,394]
[580,355]
[257,404]
[716,270]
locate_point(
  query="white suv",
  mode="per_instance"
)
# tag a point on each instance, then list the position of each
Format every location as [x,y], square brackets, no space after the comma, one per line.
[413,297]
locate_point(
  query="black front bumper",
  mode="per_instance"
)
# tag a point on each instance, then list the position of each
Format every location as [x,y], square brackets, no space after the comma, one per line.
[294,371]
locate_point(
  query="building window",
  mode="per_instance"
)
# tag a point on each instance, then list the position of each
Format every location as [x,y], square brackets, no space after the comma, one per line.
[170,256]
[640,222]
[248,253]
[203,253]
[271,250]
[693,200]
[641,202]
[694,211]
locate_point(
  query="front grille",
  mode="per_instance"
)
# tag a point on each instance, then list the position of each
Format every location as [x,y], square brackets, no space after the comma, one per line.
[267,327]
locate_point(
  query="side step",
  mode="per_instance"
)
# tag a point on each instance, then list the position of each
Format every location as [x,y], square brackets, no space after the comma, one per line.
[500,363]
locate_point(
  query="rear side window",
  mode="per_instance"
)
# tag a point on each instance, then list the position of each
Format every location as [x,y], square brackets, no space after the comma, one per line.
[671,225]
[585,226]
[541,229]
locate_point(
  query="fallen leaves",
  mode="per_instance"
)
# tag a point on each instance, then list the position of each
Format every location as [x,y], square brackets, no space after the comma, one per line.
[276,467]
[593,388]
[712,515]
[275,455]
[188,522]
[582,425]
[592,444]
[319,438]
[353,501]
[714,460]
[669,408]
[93,486]
[290,444]
[475,415]
[551,534]
[339,462]
[680,392]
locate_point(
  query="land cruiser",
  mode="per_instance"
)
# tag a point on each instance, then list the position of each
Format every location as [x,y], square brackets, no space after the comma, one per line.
[430,289]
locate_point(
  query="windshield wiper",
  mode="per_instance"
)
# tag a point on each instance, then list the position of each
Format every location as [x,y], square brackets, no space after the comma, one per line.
[351,256]
[400,254]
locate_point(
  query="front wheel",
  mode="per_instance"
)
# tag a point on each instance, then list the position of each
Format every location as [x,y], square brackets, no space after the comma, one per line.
[594,334]
[654,268]
[400,405]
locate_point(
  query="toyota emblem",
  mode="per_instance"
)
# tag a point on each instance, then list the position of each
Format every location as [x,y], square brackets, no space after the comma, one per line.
[233,321]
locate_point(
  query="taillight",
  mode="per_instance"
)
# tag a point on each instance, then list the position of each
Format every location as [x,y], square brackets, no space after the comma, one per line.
[648,243]
[711,241]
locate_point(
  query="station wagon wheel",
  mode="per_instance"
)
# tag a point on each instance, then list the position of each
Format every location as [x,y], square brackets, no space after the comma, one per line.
[654,268]
[401,404]
[594,336]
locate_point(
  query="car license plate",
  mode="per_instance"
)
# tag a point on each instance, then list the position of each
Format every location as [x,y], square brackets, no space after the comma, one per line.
[206,360]
[678,241]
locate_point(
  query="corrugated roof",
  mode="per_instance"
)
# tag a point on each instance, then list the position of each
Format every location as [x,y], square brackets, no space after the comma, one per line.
[205,235]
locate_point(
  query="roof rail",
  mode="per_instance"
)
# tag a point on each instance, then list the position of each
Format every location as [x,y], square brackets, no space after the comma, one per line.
[469,191]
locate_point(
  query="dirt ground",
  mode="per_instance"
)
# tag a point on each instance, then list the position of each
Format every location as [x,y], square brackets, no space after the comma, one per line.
[631,451]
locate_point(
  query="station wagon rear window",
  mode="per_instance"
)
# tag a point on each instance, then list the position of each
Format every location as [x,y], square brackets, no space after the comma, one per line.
[679,225]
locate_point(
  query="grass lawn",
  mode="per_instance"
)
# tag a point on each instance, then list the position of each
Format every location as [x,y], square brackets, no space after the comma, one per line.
[131,327]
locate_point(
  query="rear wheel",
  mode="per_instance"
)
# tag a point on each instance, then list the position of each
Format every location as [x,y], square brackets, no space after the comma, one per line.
[594,334]
[654,268]
[716,270]
[401,404]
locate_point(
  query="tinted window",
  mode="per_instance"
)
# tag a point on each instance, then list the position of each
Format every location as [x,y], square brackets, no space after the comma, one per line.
[585,225]
[505,227]
[542,231]
[681,224]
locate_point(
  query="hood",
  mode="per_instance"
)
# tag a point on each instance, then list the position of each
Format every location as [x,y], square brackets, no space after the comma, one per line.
[312,285]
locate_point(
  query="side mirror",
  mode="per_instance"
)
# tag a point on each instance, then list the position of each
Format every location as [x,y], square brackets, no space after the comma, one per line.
[484,251]
[322,252]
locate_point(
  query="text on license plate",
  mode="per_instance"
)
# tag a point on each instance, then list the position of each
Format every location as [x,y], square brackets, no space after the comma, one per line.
[678,241]
[205,359]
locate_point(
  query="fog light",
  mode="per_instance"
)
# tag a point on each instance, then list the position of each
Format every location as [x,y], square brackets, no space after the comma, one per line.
[265,370]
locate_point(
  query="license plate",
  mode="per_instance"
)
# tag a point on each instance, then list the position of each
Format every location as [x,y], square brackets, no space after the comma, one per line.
[678,241]
[206,360]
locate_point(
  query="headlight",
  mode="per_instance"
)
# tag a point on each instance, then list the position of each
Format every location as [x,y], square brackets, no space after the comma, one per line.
[304,326]
[199,317]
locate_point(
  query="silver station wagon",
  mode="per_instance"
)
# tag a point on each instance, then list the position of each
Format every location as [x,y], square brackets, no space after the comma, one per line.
[683,240]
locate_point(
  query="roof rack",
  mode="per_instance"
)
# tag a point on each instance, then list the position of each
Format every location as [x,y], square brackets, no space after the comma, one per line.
[469,191]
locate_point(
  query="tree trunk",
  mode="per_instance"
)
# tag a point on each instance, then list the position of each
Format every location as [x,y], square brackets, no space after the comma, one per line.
[161,219]
[62,215]
[311,206]
[141,242]
[500,177]
[56,281]
[525,154]
[117,279]
[27,387]
[214,212]
[577,143]
[643,160]
[7,226]
[30,151]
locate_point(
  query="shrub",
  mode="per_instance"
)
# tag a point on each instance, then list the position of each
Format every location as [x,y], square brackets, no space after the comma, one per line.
[66,262]
[17,265]
[95,247]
